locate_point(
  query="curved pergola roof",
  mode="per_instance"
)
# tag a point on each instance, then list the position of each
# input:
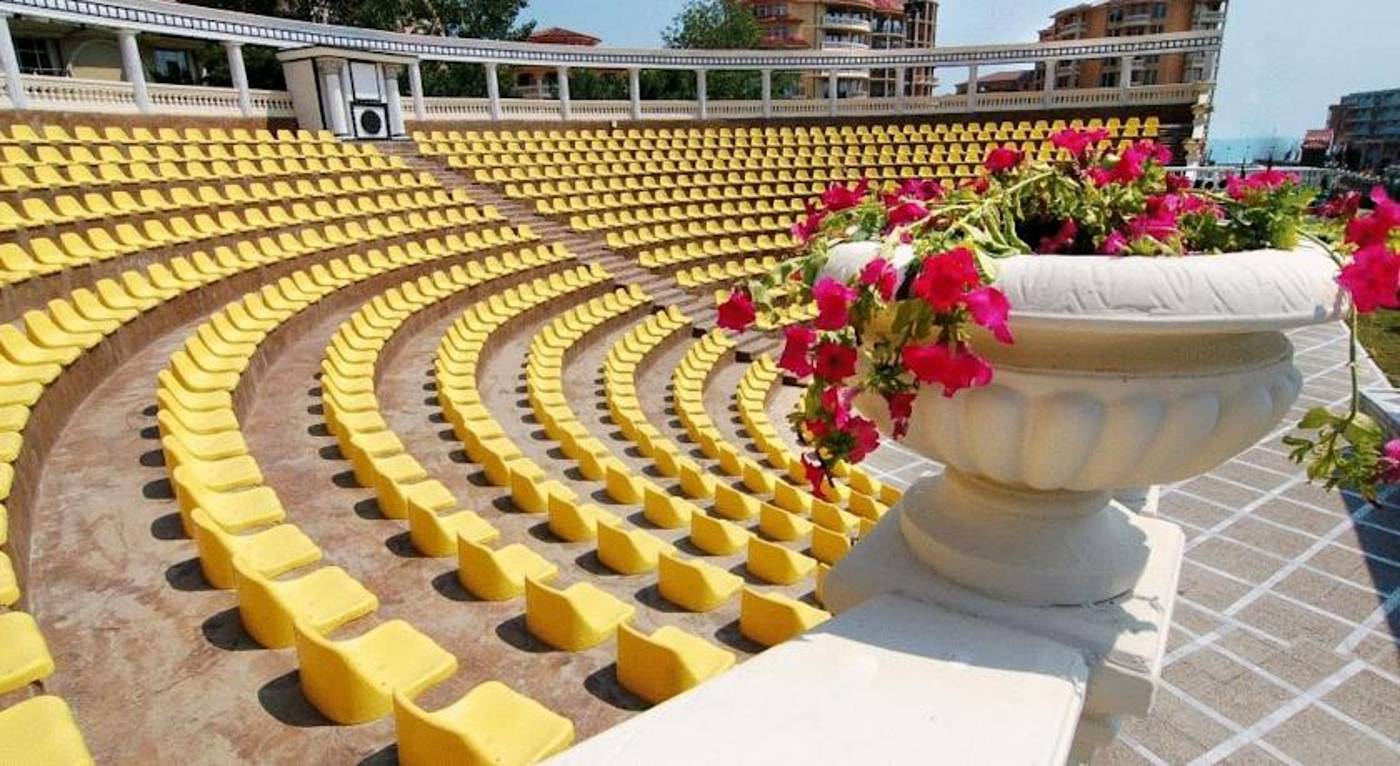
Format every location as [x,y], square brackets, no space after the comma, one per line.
[228,26]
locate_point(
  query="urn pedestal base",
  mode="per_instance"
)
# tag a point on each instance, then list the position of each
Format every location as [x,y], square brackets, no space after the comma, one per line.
[1122,640]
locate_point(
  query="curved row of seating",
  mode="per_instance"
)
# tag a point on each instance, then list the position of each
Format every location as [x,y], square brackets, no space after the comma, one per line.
[728,271]
[869,498]
[679,254]
[24,134]
[380,460]
[694,585]
[307,199]
[316,227]
[244,543]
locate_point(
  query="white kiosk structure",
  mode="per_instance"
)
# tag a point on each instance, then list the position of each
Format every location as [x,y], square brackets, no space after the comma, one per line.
[352,93]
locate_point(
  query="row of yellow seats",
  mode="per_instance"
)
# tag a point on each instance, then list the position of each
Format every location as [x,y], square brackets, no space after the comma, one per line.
[619,178]
[655,183]
[66,209]
[831,527]
[764,198]
[641,216]
[697,250]
[702,276]
[21,133]
[797,155]
[870,498]
[699,135]
[456,363]
[42,255]
[51,177]
[27,155]
[662,233]
[379,458]
[767,618]
[582,197]
[222,498]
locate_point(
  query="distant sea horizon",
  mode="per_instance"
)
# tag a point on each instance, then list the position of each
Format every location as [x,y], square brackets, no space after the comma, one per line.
[1233,150]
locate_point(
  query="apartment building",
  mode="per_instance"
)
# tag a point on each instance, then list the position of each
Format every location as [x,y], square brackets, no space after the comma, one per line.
[1366,129]
[1123,18]
[852,25]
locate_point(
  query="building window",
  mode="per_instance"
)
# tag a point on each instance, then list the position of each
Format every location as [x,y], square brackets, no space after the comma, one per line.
[172,66]
[1159,11]
[36,56]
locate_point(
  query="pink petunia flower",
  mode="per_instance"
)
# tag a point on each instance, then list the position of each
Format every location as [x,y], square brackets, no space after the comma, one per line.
[945,278]
[1114,244]
[1061,239]
[955,370]
[923,189]
[736,313]
[1002,159]
[797,350]
[1078,142]
[901,406]
[835,362]
[1374,228]
[906,213]
[833,303]
[1373,279]
[866,438]
[881,276]
[838,197]
[810,225]
[990,309]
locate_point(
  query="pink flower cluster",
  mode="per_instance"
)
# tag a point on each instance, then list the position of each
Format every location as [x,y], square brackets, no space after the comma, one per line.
[1373,276]
[1242,188]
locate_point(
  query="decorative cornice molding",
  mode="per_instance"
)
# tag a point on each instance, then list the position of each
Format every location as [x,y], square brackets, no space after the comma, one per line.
[212,24]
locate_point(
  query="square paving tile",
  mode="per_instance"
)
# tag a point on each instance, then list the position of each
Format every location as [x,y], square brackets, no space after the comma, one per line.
[1371,699]
[1229,687]
[1314,736]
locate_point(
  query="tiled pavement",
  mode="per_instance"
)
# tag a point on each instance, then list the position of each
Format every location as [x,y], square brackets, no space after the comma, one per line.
[1283,645]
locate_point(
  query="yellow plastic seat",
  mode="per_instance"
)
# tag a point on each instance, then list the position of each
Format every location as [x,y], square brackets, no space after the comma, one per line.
[41,731]
[782,525]
[323,600]
[574,619]
[499,575]
[666,511]
[491,725]
[24,656]
[828,546]
[629,552]
[717,537]
[9,583]
[272,551]
[695,585]
[576,523]
[733,504]
[434,531]
[772,618]
[775,564]
[353,680]
[827,515]
[666,663]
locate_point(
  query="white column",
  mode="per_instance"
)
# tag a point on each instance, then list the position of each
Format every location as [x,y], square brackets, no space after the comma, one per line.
[565,109]
[239,75]
[1125,77]
[634,91]
[14,84]
[900,73]
[831,89]
[397,129]
[1049,95]
[415,89]
[333,95]
[135,71]
[972,86]
[767,93]
[493,91]
[701,97]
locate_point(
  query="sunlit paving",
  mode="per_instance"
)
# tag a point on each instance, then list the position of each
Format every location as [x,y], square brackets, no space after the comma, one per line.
[647,382]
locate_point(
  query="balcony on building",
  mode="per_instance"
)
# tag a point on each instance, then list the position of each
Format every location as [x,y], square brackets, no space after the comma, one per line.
[847,21]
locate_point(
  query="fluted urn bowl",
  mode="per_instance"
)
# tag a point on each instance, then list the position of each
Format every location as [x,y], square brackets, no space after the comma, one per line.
[1125,372]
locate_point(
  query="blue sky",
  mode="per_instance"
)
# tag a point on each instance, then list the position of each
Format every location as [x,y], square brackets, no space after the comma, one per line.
[1284,60]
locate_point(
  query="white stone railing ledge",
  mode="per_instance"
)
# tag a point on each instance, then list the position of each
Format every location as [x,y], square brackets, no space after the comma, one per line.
[889,681]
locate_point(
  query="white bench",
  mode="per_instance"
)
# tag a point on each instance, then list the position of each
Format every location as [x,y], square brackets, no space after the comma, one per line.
[891,681]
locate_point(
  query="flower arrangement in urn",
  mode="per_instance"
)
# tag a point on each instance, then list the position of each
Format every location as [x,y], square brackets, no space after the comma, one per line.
[904,278]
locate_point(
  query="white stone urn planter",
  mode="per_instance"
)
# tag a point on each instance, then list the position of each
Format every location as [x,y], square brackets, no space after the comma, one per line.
[1126,372]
